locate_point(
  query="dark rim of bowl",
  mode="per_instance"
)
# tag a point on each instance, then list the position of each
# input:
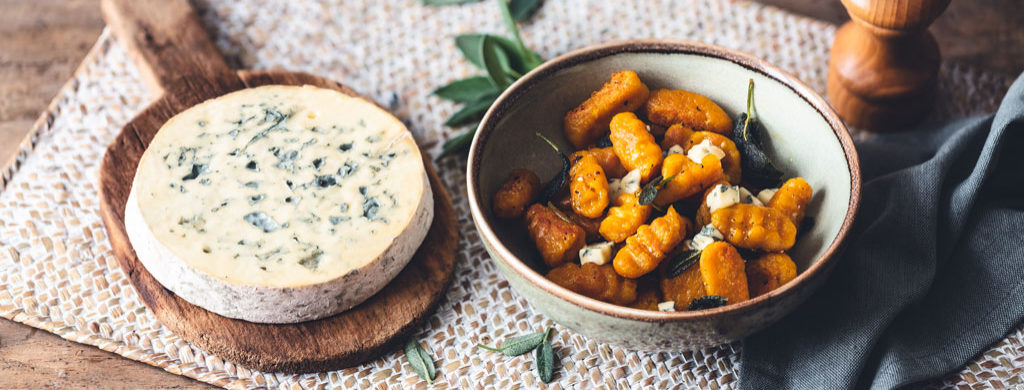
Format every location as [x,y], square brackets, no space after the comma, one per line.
[584,55]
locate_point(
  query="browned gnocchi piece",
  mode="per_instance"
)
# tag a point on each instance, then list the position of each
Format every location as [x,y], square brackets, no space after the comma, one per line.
[648,295]
[591,226]
[635,147]
[557,239]
[595,281]
[667,107]
[730,163]
[676,135]
[624,218]
[588,186]
[588,122]
[769,272]
[518,192]
[608,160]
[792,199]
[755,227]
[722,270]
[651,243]
[687,177]
[684,288]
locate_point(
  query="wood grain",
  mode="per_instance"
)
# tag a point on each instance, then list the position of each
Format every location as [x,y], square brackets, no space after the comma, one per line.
[346,339]
[884,64]
[168,42]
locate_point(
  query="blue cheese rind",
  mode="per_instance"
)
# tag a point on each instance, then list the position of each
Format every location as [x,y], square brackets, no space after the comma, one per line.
[279,204]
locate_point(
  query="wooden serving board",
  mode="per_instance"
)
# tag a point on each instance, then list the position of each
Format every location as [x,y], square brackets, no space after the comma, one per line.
[177,57]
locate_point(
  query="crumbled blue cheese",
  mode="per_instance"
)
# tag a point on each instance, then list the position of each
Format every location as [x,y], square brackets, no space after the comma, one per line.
[629,184]
[600,253]
[676,149]
[698,151]
[704,237]
[722,196]
[767,194]
[667,306]
[748,198]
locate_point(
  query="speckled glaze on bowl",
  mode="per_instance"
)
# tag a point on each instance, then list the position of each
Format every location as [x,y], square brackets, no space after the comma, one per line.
[807,139]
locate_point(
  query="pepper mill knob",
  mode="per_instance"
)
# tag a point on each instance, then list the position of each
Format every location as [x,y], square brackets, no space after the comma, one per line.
[884,63]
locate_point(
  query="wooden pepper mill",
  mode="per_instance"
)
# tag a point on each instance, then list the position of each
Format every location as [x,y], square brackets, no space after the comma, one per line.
[884,63]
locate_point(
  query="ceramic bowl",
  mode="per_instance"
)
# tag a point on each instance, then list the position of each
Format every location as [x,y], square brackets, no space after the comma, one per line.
[806,139]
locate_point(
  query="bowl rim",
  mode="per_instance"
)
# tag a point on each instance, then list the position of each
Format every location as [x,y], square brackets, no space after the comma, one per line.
[663,46]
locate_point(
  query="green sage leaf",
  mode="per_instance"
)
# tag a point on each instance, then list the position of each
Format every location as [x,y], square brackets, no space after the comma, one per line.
[496,62]
[471,111]
[532,59]
[681,262]
[544,359]
[471,46]
[467,90]
[457,143]
[517,345]
[420,361]
[522,9]
[708,302]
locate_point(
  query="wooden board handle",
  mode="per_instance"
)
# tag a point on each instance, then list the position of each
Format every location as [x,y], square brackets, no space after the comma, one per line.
[168,44]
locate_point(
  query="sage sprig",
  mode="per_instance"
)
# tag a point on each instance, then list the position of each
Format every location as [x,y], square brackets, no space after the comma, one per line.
[420,361]
[504,60]
[748,134]
[552,187]
[681,262]
[544,359]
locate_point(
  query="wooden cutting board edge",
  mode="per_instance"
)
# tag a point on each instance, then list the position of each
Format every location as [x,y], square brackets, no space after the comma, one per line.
[347,339]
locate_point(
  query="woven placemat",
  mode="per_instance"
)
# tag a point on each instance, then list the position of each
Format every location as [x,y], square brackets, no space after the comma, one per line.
[57,272]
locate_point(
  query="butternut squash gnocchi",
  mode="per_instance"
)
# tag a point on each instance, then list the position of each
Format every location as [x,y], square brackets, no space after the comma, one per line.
[615,232]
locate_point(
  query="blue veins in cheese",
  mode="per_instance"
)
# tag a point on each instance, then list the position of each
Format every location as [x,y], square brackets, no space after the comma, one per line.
[599,253]
[704,148]
[628,184]
[306,196]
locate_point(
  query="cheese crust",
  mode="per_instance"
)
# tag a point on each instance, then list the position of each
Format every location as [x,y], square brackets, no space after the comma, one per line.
[279,204]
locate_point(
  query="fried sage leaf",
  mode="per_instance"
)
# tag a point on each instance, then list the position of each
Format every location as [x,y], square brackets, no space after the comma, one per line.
[650,191]
[558,182]
[748,134]
[544,359]
[681,262]
[420,361]
[708,302]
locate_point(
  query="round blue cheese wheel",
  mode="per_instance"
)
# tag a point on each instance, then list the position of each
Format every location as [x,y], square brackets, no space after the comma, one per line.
[279,204]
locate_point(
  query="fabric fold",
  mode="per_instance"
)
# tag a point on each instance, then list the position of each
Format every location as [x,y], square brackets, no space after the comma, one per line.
[932,272]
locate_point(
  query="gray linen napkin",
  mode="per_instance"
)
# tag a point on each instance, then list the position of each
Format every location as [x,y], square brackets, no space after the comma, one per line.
[932,272]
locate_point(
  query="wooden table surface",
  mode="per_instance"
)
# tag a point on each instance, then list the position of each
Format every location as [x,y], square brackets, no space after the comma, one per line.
[44,40]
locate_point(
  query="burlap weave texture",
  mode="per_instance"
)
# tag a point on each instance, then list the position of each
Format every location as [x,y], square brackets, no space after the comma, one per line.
[57,272]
